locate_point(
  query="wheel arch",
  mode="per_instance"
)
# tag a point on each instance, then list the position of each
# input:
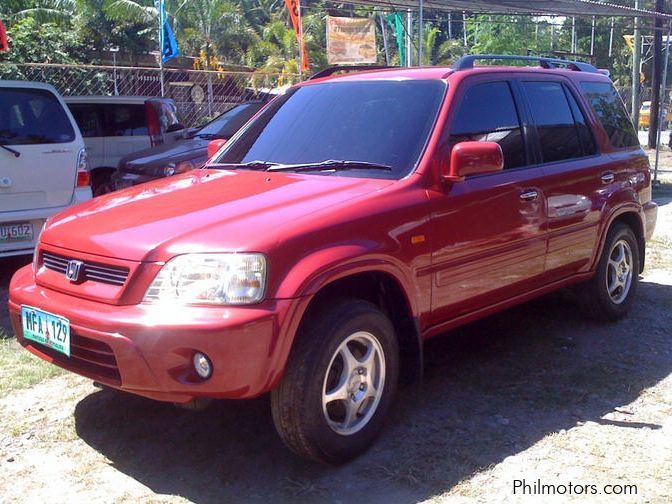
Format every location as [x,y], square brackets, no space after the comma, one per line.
[631,216]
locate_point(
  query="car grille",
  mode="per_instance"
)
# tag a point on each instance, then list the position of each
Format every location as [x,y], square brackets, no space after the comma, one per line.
[96,272]
[88,357]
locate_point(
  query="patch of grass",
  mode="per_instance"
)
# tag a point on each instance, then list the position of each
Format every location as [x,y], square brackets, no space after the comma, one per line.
[20,369]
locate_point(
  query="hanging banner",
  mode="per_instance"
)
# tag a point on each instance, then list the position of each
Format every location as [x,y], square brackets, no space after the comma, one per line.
[295,16]
[4,44]
[351,40]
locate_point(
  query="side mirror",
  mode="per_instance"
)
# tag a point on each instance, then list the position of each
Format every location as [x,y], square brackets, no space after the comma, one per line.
[471,158]
[214,146]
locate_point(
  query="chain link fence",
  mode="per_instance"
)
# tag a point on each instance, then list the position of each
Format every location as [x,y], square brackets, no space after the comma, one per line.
[199,95]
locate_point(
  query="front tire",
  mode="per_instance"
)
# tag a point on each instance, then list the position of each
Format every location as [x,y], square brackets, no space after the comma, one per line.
[610,293]
[339,382]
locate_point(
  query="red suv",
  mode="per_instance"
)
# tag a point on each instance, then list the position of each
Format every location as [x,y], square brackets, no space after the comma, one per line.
[350,220]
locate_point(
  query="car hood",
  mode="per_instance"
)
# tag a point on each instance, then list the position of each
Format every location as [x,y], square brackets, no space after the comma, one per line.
[202,211]
[159,156]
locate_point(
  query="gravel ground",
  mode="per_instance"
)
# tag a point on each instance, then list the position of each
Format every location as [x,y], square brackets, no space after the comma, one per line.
[538,394]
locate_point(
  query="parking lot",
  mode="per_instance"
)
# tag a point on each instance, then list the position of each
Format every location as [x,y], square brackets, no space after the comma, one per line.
[535,392]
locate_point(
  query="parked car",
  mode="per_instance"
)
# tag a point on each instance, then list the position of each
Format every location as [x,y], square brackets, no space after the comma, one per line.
[645,116]
[183,155]
[43,163]
[355,217]
[114,126]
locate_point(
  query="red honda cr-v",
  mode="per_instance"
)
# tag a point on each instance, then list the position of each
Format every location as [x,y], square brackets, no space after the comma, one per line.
[353,218]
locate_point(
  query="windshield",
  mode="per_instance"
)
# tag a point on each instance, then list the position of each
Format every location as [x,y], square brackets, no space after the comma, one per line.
[378,122]
[230,121]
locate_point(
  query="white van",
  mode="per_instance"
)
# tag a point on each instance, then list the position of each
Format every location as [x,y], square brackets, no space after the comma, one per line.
[43,162]
[115,126]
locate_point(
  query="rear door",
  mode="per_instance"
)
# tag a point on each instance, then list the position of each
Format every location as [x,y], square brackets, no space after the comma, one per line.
[573,171]
[35,124]
[125,130]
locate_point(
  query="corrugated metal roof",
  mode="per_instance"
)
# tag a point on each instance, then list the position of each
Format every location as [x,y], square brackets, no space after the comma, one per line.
[541,7]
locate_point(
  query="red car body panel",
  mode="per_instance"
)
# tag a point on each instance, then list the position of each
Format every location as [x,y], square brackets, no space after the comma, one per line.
[457,250]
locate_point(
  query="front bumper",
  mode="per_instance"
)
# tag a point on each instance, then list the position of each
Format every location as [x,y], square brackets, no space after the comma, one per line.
[650,217]
[147,349]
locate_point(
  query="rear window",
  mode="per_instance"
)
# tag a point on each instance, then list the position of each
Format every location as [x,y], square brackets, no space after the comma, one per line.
[32,116]
[610,110]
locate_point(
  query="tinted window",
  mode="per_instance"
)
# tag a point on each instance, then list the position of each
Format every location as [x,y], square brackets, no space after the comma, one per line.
[382,122]
[558,136]
[231,121]
[610,110]
[487,112]
[585,134]
[87,118]
[32,116]
[123,119]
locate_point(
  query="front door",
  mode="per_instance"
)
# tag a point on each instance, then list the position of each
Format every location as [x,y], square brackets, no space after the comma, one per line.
[488,231]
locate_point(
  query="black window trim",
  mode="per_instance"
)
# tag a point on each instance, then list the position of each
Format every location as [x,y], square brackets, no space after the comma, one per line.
[535,136]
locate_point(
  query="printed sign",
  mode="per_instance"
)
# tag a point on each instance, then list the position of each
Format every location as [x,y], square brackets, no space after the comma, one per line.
[350,40]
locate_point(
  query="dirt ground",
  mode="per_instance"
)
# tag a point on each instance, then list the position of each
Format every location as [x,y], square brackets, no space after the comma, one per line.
[538,394]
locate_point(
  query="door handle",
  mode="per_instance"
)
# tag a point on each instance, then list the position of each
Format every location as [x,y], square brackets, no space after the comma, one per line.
[529,195]
[607,178]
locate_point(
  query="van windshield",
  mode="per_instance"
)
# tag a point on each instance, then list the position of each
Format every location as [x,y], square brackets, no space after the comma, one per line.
[32,116]
[383,122]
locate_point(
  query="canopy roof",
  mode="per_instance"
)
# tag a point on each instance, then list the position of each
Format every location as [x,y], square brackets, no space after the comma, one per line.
[540,7]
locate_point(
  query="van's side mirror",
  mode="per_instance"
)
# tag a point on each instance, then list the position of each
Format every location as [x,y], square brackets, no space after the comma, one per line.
[471,158]
[214,146]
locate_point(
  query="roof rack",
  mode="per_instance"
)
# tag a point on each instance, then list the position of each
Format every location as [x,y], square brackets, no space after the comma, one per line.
[346,68]
[467,62]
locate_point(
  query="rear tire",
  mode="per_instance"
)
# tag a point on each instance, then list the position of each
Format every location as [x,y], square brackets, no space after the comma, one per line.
[339,382]
[610,293]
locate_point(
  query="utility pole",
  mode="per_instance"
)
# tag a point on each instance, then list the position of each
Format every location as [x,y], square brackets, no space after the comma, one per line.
[421,8]
[655,115]
[636,63]
[409,47]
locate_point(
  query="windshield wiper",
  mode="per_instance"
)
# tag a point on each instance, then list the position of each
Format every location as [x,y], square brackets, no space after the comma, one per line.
[208,136]
[15,152]
[331,164]
[252,165]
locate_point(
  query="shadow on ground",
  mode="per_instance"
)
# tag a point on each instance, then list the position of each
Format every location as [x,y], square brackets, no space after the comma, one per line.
[8,267]
[491,390]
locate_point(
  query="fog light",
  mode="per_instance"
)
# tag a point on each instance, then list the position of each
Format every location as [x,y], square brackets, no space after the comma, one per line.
[202,365]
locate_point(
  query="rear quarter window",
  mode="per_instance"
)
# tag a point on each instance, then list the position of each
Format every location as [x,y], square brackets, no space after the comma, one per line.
[609,108]
[33,116]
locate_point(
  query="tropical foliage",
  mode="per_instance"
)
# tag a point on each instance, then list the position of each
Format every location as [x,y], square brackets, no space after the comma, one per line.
[258,34]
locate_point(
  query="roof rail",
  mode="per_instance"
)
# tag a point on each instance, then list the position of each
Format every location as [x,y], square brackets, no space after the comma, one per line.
[467,62]
[346,68]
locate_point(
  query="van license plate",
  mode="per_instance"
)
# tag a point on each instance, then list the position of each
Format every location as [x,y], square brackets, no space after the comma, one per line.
[19,231]
[46,328]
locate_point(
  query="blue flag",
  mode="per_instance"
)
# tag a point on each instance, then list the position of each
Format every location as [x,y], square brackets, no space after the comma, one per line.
[167,41]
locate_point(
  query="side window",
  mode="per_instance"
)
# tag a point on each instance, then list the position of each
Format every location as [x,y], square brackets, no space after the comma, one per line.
[86,117]
[558,135]
[125,120]
[487,112]
[585,134]
[610,110]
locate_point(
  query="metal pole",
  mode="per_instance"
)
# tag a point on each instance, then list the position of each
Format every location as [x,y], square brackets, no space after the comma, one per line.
[663,107]
[573,35]
[636,63]
[450,25]
[161,20]
[420,35]
[114,63]
[592,38]
[409,53]
[464,28]
[552,33]
[611,37]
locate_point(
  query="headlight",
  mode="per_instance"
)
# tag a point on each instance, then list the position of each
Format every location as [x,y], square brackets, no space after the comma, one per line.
[210,278]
